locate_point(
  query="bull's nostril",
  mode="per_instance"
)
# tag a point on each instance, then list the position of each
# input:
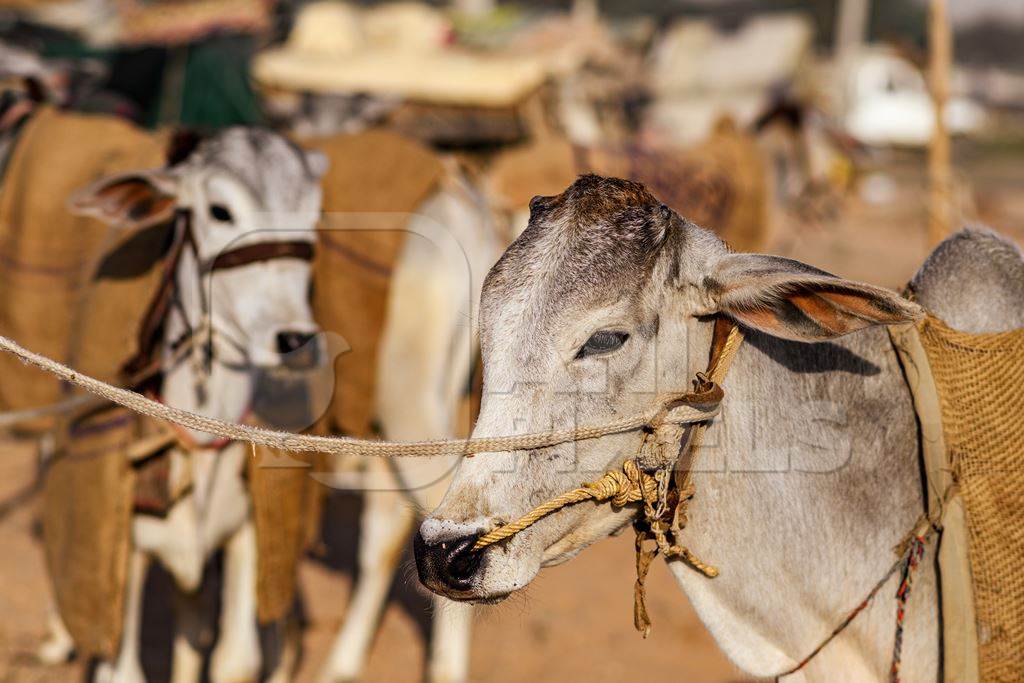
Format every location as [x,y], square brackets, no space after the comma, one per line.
[420,551]
[452,563]
[462,562]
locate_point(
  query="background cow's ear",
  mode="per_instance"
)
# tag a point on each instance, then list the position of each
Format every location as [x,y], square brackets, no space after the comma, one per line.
[131,200]
[789,299]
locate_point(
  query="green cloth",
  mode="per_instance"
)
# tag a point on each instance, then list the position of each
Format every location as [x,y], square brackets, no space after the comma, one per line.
[217,90]
[201,85]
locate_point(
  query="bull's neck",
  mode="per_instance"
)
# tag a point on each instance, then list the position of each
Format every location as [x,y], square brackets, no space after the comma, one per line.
[806,482]
[218,388]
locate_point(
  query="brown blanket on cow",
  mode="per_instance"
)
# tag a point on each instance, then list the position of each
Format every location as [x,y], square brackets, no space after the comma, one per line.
[374,183]
[47,254]
[286,509]
[978,378]
[720,184]
[86,514]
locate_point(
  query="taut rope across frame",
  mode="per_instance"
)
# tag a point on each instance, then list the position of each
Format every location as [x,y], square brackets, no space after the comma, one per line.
[669,409]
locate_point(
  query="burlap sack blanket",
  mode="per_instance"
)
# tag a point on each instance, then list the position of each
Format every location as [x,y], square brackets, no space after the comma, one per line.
[979,379]
[86,514]
[286,505]
[721,184]
[47,254]
[375,181]
[90,492]
[48,300]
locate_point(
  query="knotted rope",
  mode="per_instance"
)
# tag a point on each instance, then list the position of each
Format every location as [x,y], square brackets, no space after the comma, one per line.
[621,487]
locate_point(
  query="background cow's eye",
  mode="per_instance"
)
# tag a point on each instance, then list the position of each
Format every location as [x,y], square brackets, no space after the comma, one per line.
[219,212]
[603,341]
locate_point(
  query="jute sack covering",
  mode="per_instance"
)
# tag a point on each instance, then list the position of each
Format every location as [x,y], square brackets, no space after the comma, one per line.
[720,184]
[114,302]
[86,514]
[451,125]
[47,253]
[979,379]
[375,182]
[286,502]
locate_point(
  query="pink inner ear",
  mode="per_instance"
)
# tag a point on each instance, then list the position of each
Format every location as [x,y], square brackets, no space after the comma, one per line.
[861,306]
[818,308]
[133,200]
[759,318]
[834,313]
[114,198]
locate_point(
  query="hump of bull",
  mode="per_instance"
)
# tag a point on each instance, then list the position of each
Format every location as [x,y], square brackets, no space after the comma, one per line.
[973,266]
[973,287]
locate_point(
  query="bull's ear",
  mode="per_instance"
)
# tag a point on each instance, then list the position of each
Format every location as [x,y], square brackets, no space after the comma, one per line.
[130,200]
[789,299]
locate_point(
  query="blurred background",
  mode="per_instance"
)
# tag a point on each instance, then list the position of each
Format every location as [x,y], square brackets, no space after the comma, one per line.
[851,134]
[837,92]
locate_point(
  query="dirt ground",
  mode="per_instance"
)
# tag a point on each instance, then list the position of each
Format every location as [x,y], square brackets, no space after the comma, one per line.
[575,621]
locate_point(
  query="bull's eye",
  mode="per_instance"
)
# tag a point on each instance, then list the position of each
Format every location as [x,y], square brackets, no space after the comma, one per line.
[603,341]
[220,213]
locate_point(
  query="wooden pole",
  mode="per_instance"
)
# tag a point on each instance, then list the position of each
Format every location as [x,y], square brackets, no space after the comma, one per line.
[851,27]
[940,166]
[851,30]
[474,8]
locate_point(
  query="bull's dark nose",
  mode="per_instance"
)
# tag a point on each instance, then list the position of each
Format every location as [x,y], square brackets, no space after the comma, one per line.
[452,563]
[290,340]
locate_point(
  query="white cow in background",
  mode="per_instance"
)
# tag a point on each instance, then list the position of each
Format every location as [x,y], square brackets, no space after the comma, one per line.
[251,198]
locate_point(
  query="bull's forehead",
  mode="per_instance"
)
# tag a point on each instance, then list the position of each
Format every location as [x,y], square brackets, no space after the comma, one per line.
[590,246]
[274,169]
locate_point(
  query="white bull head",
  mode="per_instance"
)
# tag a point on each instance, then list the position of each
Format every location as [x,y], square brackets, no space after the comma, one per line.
[246,203]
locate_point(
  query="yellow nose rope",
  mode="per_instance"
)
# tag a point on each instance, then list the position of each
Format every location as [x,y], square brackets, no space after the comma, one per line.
[621,487]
